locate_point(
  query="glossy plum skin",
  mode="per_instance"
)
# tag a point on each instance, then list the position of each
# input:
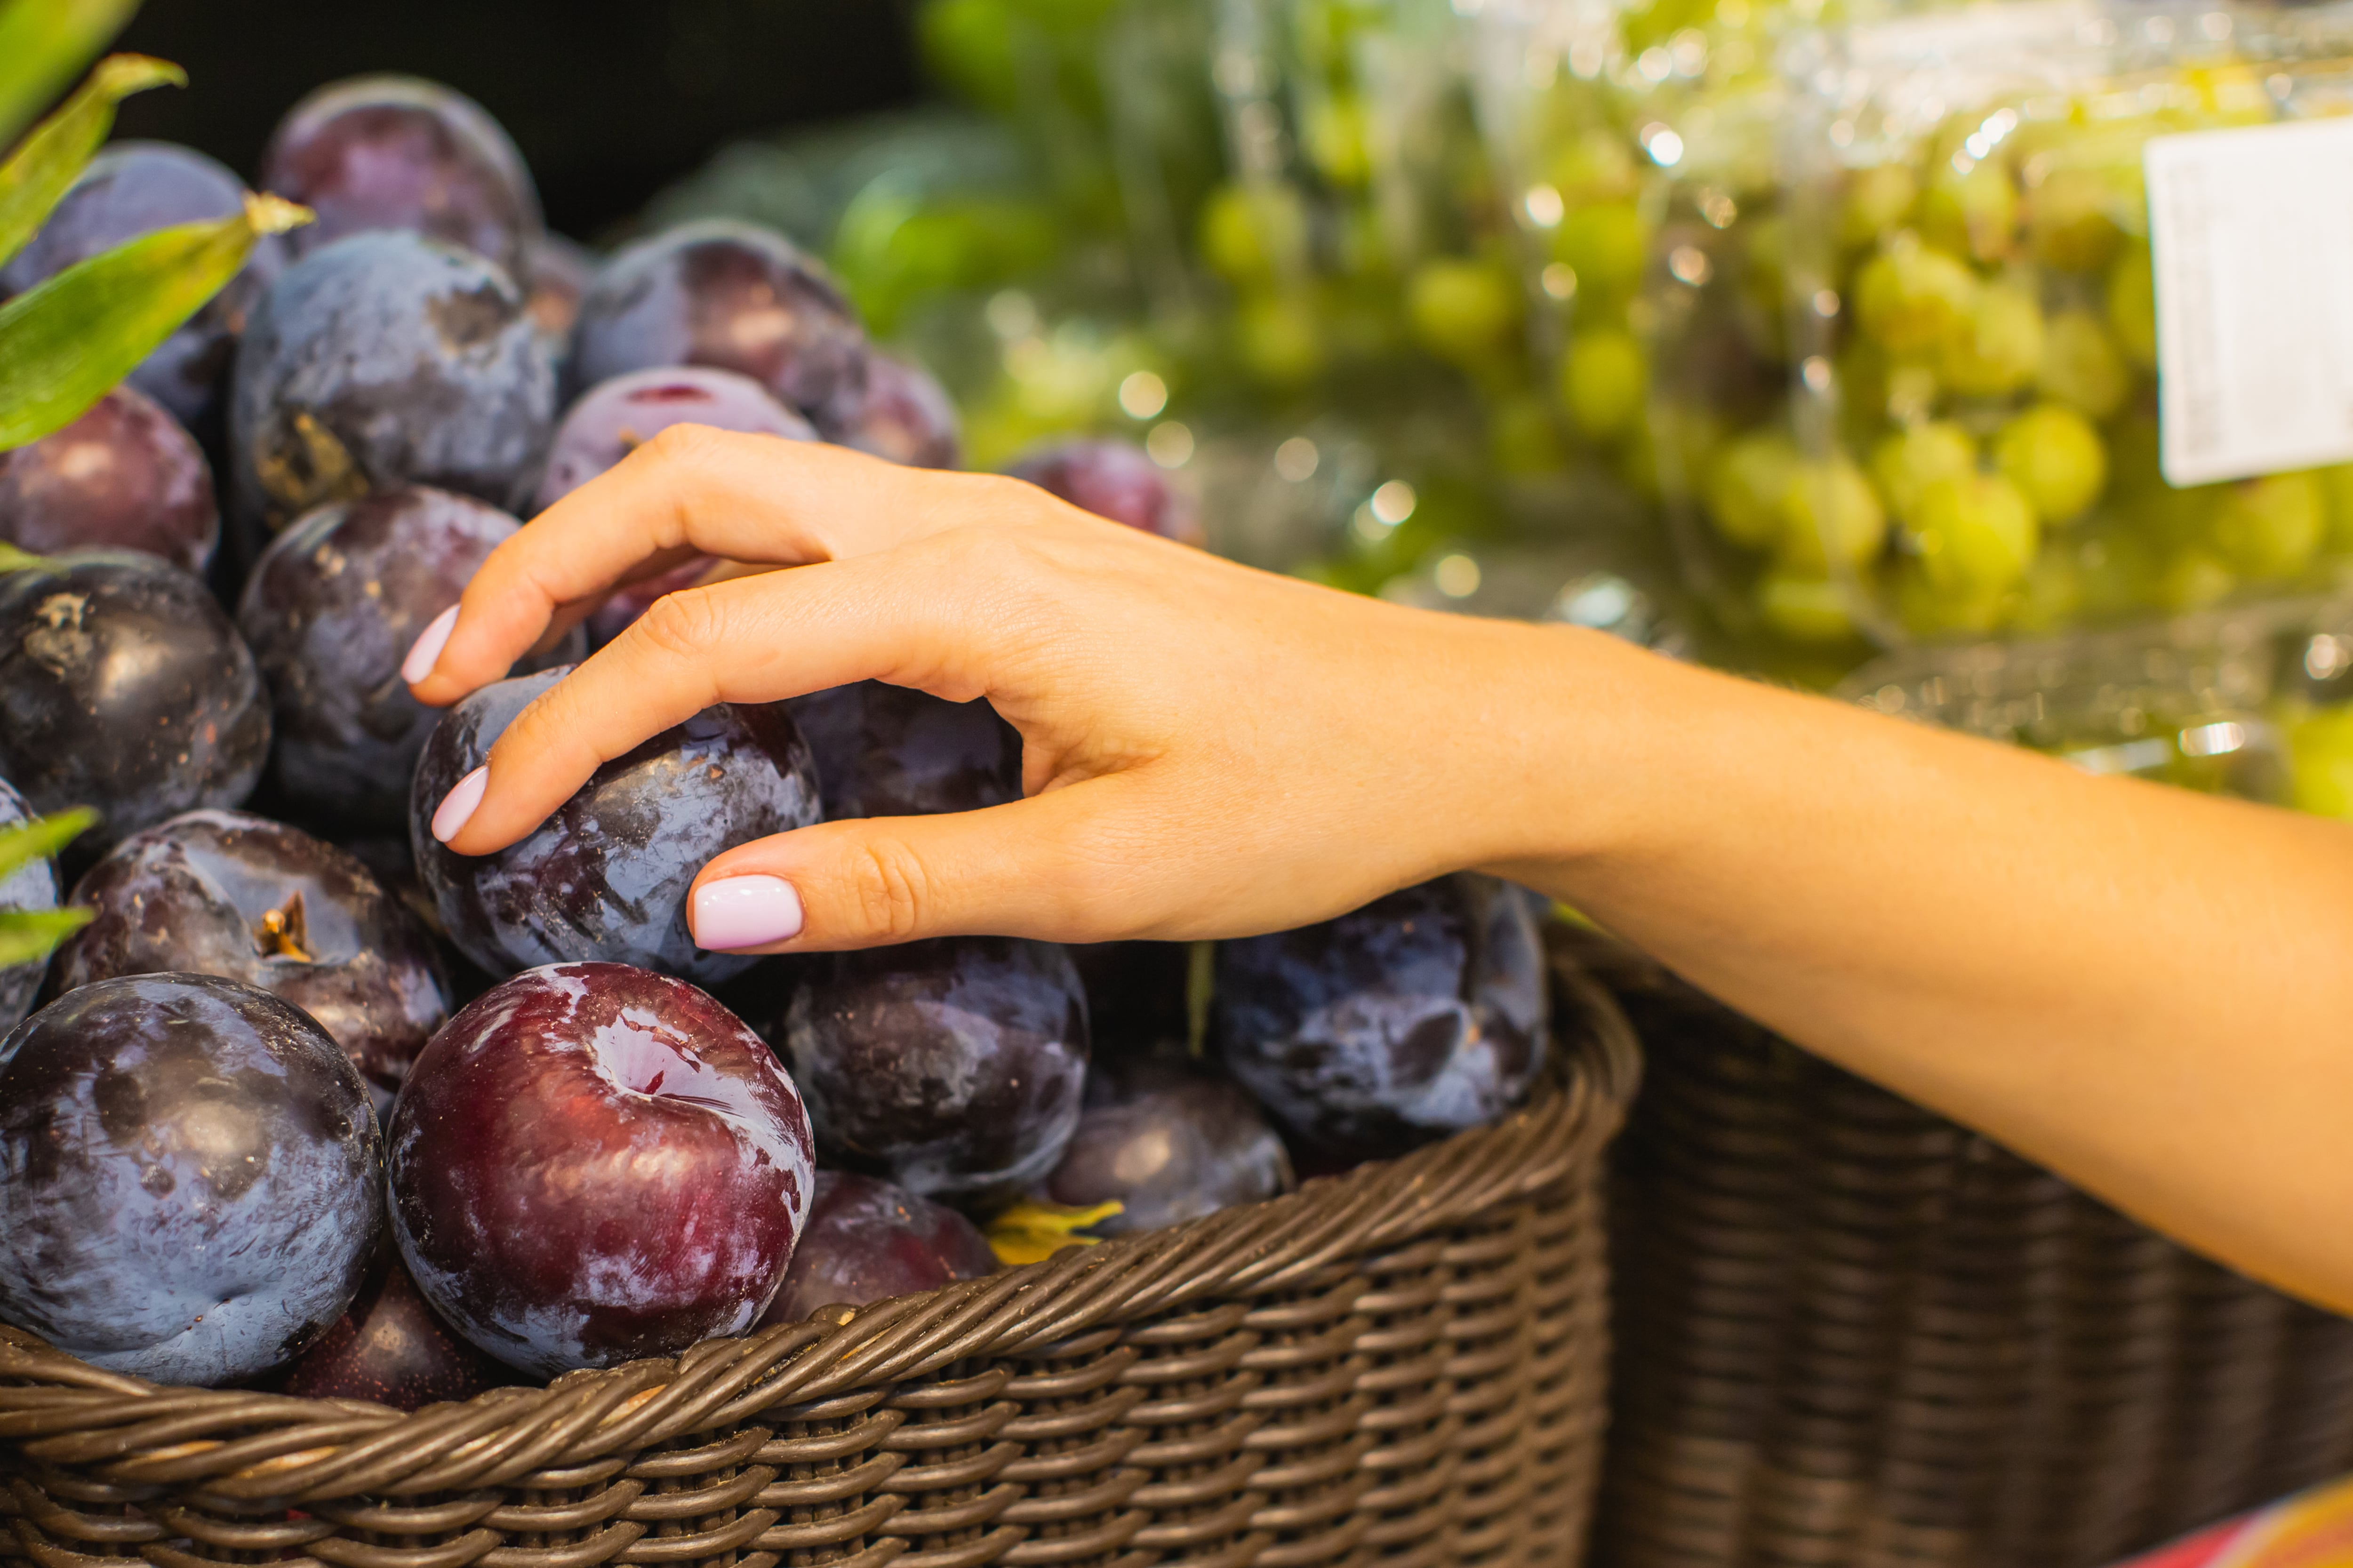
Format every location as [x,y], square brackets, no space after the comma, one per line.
[607,877]
[392,1347]
[953,1067]
[1168,1144]
[1113,479]
[385,360]
[594,1163]
[889,751]
[124,688]
[199,894]
[1420,1015]
[902,414]
[868,1241]
[125,476]
[397,152]
[188,1178]
[731,296]
[330,610]
[32,886]
[132,188]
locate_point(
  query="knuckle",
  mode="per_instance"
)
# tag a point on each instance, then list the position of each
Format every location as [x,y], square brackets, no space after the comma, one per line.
[686,624]
[685,444]
[888,888]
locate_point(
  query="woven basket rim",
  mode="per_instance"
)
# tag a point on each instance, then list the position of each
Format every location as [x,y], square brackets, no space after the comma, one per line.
[261,1448]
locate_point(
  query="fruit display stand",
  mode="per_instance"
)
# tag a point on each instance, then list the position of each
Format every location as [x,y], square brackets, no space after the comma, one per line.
[1407,1359]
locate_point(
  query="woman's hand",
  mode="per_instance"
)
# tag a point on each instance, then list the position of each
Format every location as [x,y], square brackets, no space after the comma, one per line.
[1208,750]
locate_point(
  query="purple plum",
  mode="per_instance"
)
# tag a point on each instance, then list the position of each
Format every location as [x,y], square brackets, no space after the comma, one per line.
[902,414]
[393,1348]
[1114,479]
[125,476]
[1167,1143]
[868,1241]
[889,751]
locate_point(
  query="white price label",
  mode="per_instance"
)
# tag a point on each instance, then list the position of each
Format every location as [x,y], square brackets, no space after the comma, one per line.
[2252,233]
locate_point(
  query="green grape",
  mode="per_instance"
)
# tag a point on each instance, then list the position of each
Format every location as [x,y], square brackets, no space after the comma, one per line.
[1829,513]
[2320,761]
[2067,221]
[1595,166]
[1805,608]
[1605,245]
[1914,300]
[1932,609]
[1522,437]
[1746,490]
[1904,464]
[2055,457]
[2132,306]
[1464,311]
[1603,381]
[1974,535]
[1875,203]
[1280,338]
[2080,367]
[2192,580]
[2116,568]
[1973,215]
[1254,233]
[2000,347]
[2133,457]
[1334,137]
[2269,528]
[2337,503]
[2051,597]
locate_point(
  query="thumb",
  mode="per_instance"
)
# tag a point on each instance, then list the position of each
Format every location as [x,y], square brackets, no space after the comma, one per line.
[1041,867]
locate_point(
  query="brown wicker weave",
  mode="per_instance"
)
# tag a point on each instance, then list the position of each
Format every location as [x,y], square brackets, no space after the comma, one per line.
[1403,1364]
[1852,1332]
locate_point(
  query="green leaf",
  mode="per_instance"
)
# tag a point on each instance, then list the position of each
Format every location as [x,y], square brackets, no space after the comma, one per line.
[44,168]
[43,45]
[64,343]
[29,935]
[25,842]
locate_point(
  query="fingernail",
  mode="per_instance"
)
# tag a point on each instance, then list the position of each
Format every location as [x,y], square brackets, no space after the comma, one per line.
[456,807]
[745,911]
[427,649]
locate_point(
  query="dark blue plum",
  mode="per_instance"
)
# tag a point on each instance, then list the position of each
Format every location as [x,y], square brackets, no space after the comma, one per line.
[869,1241]
[731,296]
[190,1182]
[32,886]
[1113,479]
[1420,1015]
[125,687]
[889,751]
[133,189]
[606,877]
[398,153]
[221,893]
[330,611]
[388,360]
[1167,1143]
[125,476]
[900,413]
[953,1067]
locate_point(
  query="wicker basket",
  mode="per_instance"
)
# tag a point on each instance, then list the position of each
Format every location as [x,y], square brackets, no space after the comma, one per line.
[1404,1365]
[1853,1332]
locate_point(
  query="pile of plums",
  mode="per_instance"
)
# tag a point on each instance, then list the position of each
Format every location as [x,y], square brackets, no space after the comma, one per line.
[312,1102]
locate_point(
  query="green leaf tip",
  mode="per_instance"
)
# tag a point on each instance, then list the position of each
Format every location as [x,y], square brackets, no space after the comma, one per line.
[40,838]
[36,176]
[29,935]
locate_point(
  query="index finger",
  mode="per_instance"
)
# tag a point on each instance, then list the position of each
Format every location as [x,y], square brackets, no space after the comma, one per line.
[689,490]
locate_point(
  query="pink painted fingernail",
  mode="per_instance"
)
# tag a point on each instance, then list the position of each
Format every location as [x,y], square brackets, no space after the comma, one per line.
[456,807]
[427,649]
[745,911]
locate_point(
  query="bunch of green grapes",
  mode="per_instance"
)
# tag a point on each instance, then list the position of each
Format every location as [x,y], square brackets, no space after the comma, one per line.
[1979,376]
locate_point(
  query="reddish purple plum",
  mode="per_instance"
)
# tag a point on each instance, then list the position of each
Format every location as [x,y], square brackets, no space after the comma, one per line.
[731,296]
[397,152]
[133,189]
[188,1178]
[953,1067]
[607,877]
[869,1241]
[1167,1143]
[385,360]
[890,751]
[221,893]
[32,886]
[330,610]
[1420,1015]
[902,414]
[594,1163]
[393,1348]
[1114,479]
[127,690]
[125,476]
